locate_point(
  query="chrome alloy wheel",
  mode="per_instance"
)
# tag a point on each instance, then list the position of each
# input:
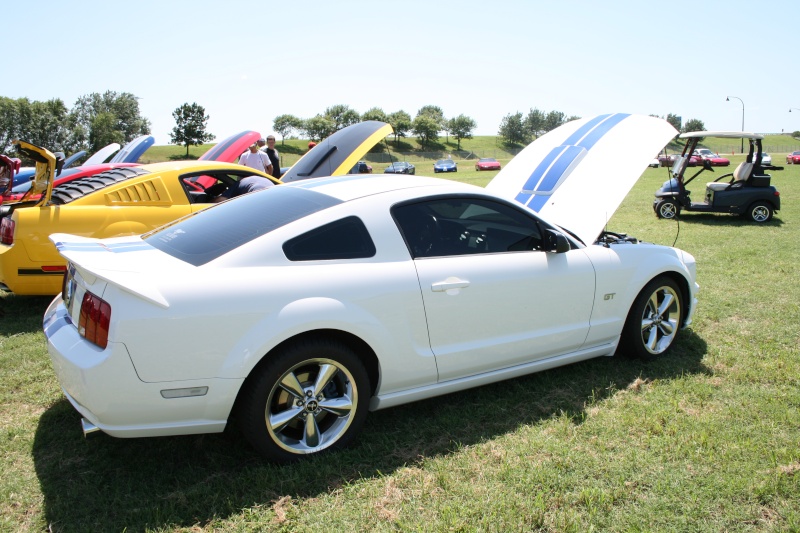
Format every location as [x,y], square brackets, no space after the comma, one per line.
[660,320]
[311,406]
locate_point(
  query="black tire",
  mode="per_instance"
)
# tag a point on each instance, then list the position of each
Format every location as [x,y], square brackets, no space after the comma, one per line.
[654,320]
[316,393]
[760,212]
[667,209]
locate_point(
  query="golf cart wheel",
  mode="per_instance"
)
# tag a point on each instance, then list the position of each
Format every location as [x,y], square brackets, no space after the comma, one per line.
[760,212]
[667,209]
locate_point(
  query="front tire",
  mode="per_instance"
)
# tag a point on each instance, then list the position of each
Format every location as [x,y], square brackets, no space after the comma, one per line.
[654,320]
[311,396]
[667,209]
[760,212]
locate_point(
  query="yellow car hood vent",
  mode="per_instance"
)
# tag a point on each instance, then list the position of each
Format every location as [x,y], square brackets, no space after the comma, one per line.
[150,192]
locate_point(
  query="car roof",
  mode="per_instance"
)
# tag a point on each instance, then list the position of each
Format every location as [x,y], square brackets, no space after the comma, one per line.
[352,186]
[721,134]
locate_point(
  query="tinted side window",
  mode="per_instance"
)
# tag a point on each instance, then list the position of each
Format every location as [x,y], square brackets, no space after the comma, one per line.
[459,226]
[344,239]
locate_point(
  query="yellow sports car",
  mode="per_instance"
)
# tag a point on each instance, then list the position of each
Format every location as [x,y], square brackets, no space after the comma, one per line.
[123,201]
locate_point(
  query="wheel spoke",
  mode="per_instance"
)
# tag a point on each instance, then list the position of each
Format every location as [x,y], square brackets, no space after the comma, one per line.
[665,305]
[278,421]
[290,384]
[338,406]
[652,305]
[326,373]
[652,340]
[668,327]
[311,434]
[647,323]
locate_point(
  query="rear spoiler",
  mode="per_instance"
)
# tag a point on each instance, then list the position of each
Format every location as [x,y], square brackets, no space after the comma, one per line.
[106,261]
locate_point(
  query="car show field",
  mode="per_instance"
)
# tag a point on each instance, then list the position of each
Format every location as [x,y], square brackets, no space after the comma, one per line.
[609,442]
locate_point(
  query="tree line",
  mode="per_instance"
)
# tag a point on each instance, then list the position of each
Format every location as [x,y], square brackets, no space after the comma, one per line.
[94,121]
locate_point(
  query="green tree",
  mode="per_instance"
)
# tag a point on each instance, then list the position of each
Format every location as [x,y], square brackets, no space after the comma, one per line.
[512,129]
[191,122]
[341,116]
[461,127]
[693,125]
[426,128]
[286,124]
[123,107]
[375,113]
[675,120]
[40,123]
[400,122]
[318,127]
[553,120]
[535,123]
[103,130]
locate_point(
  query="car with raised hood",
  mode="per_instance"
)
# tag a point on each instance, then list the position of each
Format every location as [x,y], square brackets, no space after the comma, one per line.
[747,191]
[131,201]
[445,165]
[337,296]
[487,163]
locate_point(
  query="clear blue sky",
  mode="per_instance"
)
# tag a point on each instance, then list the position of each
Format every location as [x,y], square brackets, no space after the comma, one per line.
[248,62]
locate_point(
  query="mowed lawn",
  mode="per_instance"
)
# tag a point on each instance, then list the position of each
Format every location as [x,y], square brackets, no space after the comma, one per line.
[707,439]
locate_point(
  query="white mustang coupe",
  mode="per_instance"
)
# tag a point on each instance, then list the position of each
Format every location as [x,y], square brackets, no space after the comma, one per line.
[300,308]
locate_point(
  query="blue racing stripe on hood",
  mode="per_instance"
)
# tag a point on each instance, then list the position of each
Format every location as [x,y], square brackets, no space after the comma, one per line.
[552,170]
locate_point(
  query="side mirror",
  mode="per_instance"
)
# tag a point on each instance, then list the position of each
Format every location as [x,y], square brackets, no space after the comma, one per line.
[556,242]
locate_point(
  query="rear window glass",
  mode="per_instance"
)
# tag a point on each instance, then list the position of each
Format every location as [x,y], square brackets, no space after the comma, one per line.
[209,234]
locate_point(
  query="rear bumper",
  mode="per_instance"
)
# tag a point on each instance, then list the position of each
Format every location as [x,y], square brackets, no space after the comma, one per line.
[20,276]
[104,387]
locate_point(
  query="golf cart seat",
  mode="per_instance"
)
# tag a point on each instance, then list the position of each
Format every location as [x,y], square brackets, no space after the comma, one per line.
[741,174]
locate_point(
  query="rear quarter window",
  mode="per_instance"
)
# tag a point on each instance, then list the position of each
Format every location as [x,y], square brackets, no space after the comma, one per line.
[344,239]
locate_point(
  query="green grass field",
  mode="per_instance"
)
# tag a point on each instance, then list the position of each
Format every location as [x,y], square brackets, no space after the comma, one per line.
[705,440]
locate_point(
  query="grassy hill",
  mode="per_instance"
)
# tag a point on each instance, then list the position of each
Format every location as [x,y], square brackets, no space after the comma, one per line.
[409,149]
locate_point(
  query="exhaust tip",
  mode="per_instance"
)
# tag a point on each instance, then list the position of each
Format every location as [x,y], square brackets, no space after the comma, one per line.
[88,427]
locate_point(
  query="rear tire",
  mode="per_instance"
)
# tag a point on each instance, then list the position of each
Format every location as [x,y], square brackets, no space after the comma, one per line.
[311,396]
[654,320]
[760,212]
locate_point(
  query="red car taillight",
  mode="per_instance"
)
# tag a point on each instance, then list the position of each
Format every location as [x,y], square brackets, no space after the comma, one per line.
[7,231]
[94,319]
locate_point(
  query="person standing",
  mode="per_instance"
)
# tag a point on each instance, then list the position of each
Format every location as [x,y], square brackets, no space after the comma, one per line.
[255,158]
[274,156]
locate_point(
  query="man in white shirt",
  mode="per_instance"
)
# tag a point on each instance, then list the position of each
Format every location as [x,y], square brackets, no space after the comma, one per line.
[255,158]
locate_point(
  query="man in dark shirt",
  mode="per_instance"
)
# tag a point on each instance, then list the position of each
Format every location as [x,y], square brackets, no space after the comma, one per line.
[274,156]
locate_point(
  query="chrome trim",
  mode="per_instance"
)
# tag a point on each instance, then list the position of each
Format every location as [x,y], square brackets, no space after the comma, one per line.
[88,427]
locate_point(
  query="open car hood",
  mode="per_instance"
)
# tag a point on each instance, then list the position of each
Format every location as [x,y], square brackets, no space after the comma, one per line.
[9,166]
[338,153]
[577,175]
[102,154]
[131,152]
[229,150]
[42,182]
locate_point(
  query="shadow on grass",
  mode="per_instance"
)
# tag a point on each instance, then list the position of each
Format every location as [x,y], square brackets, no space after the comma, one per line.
[726,220]
[183,157]
[106,484]
[21,314]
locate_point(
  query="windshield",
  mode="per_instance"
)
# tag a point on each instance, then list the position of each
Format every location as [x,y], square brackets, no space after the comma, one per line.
[488,160]
[211,233]
[444,162]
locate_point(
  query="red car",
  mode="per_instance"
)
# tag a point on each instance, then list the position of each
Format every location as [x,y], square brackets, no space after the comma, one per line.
[669,160]
[793,158]
[711,157]
[487,163]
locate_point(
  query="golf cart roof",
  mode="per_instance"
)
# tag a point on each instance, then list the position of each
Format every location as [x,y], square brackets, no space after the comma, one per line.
[722,134]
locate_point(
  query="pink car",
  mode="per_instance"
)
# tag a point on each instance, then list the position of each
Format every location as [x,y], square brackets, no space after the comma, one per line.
[711,157]
[793,158]
[487,163]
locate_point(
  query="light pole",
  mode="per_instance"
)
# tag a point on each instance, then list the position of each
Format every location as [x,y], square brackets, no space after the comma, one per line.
[728,99]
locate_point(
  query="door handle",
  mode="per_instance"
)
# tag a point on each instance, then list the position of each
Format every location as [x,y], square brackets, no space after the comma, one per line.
[448,284]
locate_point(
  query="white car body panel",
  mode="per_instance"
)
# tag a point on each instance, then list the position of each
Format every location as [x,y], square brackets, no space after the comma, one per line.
[435,324]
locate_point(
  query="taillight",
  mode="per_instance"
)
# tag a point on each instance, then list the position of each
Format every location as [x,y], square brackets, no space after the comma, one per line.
[7,231]
[94,319]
